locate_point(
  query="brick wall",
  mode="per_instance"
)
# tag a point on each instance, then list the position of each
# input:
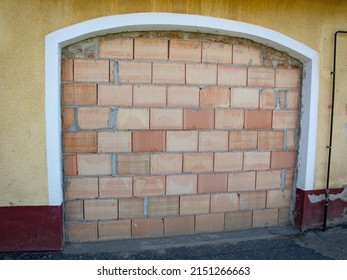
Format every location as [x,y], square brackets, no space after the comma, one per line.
[176,133]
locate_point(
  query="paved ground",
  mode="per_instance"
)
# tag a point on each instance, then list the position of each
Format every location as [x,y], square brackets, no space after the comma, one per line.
[275,243]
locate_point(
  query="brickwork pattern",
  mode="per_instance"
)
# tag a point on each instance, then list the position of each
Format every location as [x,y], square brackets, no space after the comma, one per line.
[177,133]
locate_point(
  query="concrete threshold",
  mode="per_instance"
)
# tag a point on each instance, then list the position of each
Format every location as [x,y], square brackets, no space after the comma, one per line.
[143,244]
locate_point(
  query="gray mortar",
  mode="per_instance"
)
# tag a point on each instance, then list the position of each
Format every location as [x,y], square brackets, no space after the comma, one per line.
[84,49]
[283,179]
[342,195]
[75,127]
[114,165]
[316,198]
[113,114]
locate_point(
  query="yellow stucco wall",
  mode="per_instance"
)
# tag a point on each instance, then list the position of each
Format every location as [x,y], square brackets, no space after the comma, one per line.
[25,23]
[338,175]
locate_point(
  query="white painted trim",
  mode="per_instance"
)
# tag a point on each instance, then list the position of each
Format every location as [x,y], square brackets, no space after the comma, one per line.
[184,22]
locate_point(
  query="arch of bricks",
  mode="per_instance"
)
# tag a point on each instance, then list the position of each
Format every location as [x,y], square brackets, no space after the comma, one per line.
[171,133]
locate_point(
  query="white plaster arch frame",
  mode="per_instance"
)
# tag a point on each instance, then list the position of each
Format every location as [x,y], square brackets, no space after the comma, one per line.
[184,22]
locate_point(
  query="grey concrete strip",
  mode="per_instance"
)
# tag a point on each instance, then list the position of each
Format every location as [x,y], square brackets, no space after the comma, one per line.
[331,243]
[134,245]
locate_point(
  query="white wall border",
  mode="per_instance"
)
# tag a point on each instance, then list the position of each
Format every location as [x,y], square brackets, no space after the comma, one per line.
[184,22]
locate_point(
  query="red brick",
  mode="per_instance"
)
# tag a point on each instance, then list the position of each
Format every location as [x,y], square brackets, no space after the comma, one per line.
[194,204]
[148,141]
[288,78]
[265,218]
[246,54]
[214,97]
[181,184]
[166,118]
[291,140]
[132,164]
[241,181]
[224,202]
[289,178]
[267,99]
[232,75]
[68,118]
[147,228]
[73,210]
[285,119]
[151,48]
[198,162]
[149,95]
[278,198]
[216,52]
[242,140]
[130,208]
[94,164]
[93,118]
[293,99]
[111,47]
[228,119]
[270,179]
[198,119]
[78,94]
[228,161]
[97,209]
[113,71]
[283,159]
[212,183]
[209,223]
[166,163]
[283,99]
[115,95]
[185,50]
[238,220]
[117,141]
[283,216]
[70,165]
[149,185]
[115,187]
[201,74]
[111,230]
[81,188]
[213,140]
[273,139]
[77,232]
[261,77]
[163,206]
[67,70]
[183,96]
[133,118]
[252,200]
[135,72]
[258,119]
[185,140]
[245,98]
[91,70]
[79,142]
[180,225]
[256,160]
[169,73]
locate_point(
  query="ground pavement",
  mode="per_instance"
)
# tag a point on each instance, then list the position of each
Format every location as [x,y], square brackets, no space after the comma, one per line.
[273,243]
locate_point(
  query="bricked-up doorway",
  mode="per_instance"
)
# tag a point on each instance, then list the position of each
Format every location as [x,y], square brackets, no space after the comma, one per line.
[55,41]
[171,133]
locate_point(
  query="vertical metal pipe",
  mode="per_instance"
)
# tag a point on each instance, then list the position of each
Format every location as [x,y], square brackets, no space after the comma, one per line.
[333,74]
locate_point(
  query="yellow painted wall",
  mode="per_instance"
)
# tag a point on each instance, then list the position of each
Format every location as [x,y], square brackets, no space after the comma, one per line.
[338,175]
[25,23]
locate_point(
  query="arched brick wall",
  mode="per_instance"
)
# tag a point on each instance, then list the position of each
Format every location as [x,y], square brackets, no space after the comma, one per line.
[169,133]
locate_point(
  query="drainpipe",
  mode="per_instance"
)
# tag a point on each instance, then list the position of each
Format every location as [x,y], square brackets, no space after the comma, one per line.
[333,75]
